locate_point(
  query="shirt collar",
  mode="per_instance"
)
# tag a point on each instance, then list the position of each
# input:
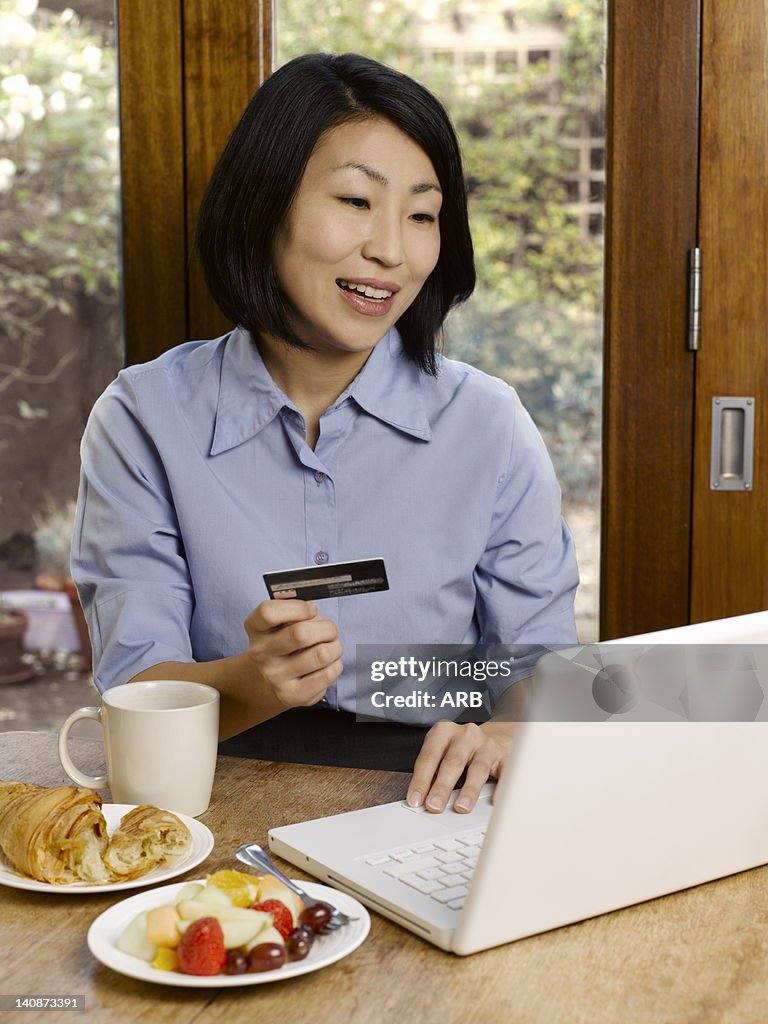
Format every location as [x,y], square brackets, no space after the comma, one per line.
[248,397]
[388,387]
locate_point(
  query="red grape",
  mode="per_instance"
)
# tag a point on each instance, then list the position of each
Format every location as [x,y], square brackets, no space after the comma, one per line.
[317,917]
[297,945]
[237,962]
[306,931]
[266,957]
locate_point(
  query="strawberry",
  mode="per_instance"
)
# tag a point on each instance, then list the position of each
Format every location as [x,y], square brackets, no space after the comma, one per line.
[201,949]
[281,915]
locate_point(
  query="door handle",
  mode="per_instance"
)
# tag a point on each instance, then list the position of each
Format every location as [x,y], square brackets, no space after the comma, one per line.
[733,433]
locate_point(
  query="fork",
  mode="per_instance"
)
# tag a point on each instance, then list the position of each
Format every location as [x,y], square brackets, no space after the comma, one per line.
[255,856]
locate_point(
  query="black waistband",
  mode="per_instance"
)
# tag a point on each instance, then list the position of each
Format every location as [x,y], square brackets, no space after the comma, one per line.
[322,736]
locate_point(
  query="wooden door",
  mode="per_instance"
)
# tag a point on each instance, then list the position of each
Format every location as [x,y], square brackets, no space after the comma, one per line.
[648,383]
[688,140]
[730,526]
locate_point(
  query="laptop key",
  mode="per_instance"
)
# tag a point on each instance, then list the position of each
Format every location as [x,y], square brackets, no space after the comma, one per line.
[455,869]
[448,856]
[431,873]
[447,844]
[403,855]
[446,895]
[456,904]
[423,847]
[395,870]
[375,861]
[471,851]
[421,809]
[421,884]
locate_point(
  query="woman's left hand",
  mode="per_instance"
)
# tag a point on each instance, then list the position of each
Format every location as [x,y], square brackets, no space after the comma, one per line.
[447,750]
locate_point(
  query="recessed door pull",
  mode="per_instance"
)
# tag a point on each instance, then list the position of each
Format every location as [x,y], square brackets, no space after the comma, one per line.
[733,430]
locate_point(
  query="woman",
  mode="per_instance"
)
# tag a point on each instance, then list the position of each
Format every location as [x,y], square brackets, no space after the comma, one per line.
[325,428]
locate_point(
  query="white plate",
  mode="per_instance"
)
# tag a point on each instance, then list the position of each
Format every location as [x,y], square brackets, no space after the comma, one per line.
[326,949]
[199,848]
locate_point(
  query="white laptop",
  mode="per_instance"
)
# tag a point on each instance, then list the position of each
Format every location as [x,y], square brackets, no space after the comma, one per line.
[588,817]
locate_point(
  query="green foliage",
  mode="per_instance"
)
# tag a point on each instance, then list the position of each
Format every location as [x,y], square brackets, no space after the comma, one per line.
[582,79]
[381,29]
[552,355]
[528,244]
[59,174]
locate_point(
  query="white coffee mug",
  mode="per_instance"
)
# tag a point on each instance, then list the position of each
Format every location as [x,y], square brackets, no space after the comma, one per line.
[160,743]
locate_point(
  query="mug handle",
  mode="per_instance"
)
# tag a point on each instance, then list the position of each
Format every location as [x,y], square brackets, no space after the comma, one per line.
[89,781]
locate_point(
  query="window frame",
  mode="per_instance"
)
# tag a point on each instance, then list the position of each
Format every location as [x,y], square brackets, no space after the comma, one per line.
[187,68]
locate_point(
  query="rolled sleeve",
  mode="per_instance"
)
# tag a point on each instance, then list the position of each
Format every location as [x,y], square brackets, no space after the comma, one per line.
[127,556]
[527,577]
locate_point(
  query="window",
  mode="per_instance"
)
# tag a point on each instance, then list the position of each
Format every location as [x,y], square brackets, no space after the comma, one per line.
[506,62]
[538,56]
[60,325]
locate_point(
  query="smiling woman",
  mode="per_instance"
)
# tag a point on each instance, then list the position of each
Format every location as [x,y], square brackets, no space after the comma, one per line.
[351,223]
[336,118]
[325,428]
[359,241]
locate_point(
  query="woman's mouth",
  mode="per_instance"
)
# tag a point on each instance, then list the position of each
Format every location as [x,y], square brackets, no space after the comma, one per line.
[377,294]
[365,298]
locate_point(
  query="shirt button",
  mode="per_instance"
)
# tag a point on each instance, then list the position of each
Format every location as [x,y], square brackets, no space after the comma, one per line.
[320,477]
[321,557]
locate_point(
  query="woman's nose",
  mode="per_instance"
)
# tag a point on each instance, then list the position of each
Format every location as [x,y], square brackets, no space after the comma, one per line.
[384,243]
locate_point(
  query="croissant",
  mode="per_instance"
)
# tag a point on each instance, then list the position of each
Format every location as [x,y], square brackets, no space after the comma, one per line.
[144,838]
[53,835]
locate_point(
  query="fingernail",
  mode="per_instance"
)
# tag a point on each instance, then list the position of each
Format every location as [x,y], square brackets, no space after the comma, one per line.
[415,799]
[435,803]
[463,803]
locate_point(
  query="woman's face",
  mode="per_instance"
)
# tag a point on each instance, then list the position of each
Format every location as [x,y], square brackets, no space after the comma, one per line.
[361,237]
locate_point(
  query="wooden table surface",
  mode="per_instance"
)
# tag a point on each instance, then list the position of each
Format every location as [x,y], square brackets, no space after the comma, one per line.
[699,956]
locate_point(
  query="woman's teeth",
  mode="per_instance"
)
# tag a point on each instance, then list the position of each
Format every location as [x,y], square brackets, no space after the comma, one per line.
[365,289]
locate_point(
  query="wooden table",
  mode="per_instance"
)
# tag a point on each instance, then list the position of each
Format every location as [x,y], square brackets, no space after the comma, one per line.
[699,956]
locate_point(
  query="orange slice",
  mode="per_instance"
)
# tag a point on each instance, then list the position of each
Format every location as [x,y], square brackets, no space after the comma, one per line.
[242,889]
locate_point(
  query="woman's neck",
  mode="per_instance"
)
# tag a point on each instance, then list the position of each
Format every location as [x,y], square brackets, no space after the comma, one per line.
[313,380]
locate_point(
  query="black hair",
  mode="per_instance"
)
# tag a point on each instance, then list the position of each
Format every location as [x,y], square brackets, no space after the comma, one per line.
[261,167]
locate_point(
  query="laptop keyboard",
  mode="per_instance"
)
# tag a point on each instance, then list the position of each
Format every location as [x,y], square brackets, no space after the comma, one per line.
[440,868]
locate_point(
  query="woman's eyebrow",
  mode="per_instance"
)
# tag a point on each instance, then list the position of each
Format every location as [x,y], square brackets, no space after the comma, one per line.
[382,179]
[427,186]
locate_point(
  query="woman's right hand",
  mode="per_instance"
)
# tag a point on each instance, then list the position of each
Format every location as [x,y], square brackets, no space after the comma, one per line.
[295,649]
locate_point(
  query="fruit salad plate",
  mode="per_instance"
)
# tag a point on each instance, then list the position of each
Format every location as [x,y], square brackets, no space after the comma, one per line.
[326,949]
[198,849]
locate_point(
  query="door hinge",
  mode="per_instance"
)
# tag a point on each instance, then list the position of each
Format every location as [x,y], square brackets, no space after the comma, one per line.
[694,299]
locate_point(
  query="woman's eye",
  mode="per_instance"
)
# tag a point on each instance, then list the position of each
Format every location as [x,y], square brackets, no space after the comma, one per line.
[356,201]
[423,218]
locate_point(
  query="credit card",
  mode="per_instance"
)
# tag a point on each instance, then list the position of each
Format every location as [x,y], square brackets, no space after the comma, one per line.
[337,579]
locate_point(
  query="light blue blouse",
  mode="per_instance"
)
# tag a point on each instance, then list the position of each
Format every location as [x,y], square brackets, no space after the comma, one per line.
[197,478]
